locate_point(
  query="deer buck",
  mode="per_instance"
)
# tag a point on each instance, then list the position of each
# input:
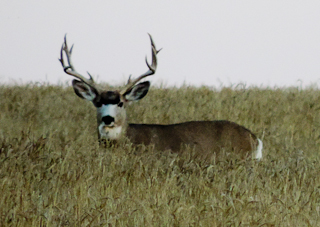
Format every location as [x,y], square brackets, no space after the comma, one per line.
[203,136]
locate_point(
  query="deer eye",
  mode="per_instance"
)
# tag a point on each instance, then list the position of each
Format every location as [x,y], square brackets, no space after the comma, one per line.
[120,104]
[97,104]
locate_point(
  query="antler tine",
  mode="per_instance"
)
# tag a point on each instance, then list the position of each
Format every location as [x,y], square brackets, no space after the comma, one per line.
[151,71]
[69,68]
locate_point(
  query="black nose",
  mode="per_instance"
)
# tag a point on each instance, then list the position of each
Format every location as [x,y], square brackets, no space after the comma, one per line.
[108,120]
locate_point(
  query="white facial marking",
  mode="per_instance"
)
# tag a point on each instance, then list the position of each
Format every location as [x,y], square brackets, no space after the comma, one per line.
[112,131]
[110,109]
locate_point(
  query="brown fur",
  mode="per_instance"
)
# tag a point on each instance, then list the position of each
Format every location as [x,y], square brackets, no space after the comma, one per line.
[203,136]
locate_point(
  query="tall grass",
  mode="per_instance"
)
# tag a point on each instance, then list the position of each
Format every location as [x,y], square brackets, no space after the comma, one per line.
[53,173]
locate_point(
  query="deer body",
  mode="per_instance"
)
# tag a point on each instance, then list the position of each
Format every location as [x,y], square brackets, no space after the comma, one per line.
[203,136]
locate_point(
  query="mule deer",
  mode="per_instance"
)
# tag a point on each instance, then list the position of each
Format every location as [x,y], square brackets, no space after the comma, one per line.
[203,136]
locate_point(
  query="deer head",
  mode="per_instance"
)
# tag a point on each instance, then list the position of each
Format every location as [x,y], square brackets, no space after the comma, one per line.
[111,113]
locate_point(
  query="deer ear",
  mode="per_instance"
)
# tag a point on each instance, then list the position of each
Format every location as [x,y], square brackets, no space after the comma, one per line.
[84,91]
[137,92]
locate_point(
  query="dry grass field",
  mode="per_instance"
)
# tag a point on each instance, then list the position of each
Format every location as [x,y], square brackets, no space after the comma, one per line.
[53,172]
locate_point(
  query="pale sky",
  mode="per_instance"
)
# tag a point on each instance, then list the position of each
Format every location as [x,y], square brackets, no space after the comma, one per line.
[269,43]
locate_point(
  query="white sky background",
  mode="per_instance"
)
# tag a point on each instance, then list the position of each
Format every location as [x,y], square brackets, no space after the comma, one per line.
[269,43]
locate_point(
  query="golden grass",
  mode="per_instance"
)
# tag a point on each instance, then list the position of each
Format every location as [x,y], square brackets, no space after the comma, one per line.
[53,173]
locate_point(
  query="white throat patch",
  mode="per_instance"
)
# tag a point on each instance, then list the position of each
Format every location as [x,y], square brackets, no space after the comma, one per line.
[111,133]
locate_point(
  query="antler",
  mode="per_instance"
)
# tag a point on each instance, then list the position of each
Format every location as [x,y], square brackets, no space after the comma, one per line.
[151,71]
[69,69]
